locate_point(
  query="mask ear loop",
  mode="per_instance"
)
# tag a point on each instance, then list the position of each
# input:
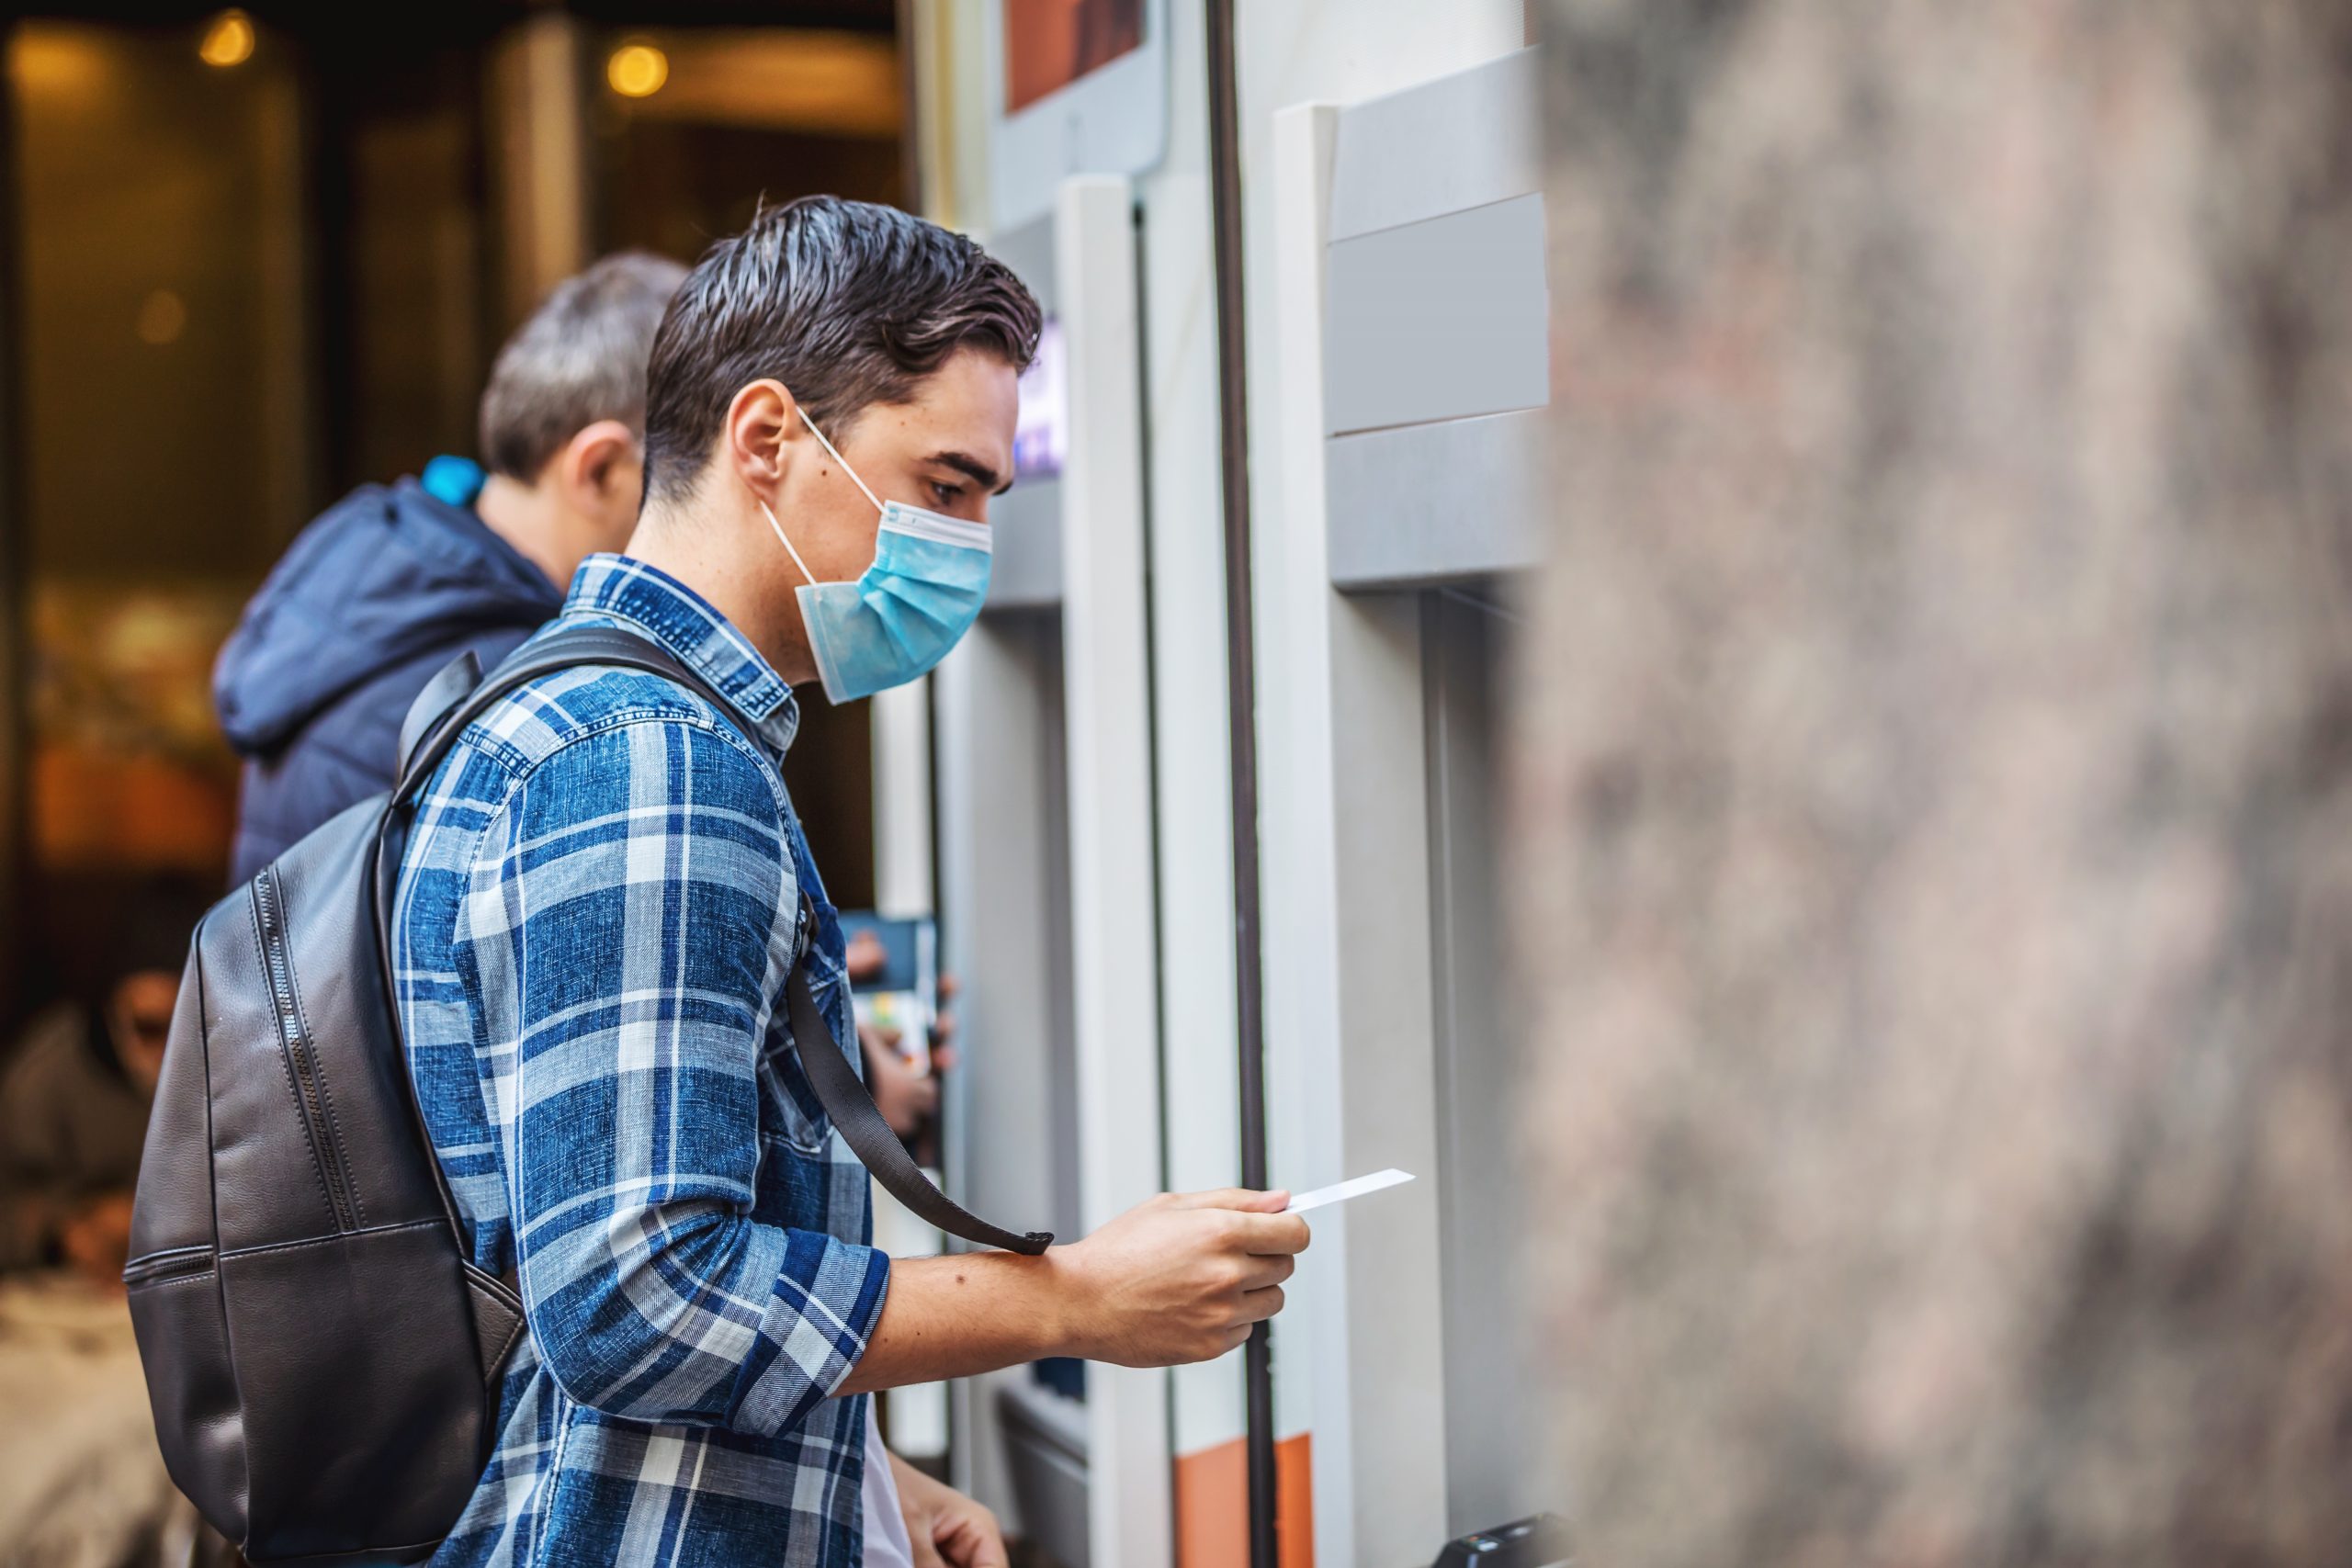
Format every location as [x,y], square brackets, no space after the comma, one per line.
[837,458]
[787,543]
[781,538]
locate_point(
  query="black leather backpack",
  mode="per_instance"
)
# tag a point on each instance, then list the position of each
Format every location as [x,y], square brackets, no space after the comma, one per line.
[322,1358]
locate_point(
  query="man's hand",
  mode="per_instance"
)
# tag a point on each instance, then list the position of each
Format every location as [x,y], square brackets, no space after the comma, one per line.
[904,1095]
[1181,1277]
[947,1529]
[1177,1277]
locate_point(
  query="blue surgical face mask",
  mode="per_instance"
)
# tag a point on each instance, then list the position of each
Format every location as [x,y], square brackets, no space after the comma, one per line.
[925,587]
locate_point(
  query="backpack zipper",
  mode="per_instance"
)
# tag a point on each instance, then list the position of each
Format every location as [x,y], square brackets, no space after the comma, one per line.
[162,1266]
[296,1046]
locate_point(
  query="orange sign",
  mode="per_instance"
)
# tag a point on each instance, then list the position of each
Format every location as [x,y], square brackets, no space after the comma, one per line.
[1048,44]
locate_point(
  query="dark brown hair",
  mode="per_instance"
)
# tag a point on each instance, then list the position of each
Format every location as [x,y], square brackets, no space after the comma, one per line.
[846,303]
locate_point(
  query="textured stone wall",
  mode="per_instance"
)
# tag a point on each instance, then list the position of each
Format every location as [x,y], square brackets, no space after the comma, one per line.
[1933,783]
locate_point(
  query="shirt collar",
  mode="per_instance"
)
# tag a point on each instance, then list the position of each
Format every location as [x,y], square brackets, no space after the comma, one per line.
[682,621]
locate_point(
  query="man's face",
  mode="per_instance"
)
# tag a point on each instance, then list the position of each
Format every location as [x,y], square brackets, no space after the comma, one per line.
[948,450]
[138,1017]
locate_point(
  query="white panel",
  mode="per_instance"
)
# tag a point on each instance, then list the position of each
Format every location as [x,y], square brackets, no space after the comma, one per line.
[1492,1416]
[1380,901]
[917,1415]
[1114,934]
[1462,141]
[1437,319]
[902,875]
[1433,502]
[1295,848]
[997,892]
[1028,250]
[1298,52]
[1348,979]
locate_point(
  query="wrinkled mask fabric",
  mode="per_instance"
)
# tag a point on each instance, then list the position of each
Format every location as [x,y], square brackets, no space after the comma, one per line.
[901,616]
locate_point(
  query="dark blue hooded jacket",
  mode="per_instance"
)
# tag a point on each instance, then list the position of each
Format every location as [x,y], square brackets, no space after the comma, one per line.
[377,593]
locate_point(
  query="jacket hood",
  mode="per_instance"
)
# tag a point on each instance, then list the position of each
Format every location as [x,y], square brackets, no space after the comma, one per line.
[379,578]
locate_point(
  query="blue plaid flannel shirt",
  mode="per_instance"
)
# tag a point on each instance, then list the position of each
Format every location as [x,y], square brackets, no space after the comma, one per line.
[595,918]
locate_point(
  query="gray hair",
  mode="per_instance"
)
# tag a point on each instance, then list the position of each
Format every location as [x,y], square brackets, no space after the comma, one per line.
[580,358]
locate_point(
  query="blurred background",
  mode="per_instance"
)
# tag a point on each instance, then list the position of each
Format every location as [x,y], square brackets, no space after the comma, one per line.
[252,258]
[263,255]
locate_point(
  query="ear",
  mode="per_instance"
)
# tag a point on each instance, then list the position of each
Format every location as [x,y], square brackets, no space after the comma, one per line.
[758,439]
[599,460]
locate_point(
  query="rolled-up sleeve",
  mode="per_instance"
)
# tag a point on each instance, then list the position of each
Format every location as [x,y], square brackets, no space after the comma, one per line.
[625,927]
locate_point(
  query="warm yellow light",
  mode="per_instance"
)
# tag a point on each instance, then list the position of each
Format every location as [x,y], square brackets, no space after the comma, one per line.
[162,316]
[637,70]
[228,40]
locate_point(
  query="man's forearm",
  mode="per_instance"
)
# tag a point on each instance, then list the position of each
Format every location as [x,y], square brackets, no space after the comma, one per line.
[1176,1278]
[966,1313]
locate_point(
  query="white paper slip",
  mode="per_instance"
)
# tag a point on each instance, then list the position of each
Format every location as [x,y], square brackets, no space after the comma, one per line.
[1344,1191]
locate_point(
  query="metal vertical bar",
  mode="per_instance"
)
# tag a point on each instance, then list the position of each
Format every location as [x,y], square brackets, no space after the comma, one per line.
[15,562]
[911,182]
[1241,693]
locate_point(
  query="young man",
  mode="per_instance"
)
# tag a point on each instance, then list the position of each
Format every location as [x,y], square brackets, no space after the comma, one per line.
[389,584]
[602,901]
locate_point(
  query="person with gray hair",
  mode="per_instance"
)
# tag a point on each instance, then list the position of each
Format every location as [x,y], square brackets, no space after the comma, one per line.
[393,582]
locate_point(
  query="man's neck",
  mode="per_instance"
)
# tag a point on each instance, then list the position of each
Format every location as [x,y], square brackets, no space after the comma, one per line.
[705,553]
[526,519]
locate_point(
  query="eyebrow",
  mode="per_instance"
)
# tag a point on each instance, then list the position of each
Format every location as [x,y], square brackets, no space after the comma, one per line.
[972,468]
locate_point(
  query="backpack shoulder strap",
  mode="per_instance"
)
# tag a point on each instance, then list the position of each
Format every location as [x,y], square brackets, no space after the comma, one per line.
[443,692]
[839,1089]
[856,1117]
[424,742]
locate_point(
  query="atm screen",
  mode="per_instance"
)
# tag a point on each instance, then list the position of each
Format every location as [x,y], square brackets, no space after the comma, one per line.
[1048,44]
[1041,434]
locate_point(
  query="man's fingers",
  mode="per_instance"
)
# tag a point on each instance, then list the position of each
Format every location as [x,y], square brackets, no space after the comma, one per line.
[926,1554]
[1248,1200]
[973,1542]
[881,1045]
[1259,1305]
[1217,1197]
[1268,1270]
[1273,1233]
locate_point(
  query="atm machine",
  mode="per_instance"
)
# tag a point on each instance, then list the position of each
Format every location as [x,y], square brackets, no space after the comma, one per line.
[1018,1436]
[1414,374]
[1046,878]
[1410,328]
